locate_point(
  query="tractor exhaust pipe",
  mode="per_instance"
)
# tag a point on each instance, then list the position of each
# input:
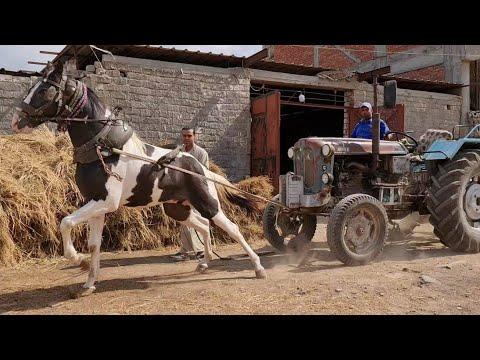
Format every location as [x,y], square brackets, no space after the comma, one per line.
[375,141]
[375,129]
[389,101]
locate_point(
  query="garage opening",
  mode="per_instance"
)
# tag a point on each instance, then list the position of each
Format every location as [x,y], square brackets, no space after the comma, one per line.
[298,122]
[281,115]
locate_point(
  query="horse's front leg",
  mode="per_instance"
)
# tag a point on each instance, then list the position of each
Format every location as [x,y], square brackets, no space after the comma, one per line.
[96,226]
[92,209]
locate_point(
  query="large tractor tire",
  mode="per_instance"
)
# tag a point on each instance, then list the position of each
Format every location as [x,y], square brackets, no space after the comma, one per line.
[454,202]
[357,229]
[285,232]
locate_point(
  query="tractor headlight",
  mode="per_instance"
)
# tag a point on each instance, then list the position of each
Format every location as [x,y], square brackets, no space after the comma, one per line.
[327,178]
[290,153]
[327,150]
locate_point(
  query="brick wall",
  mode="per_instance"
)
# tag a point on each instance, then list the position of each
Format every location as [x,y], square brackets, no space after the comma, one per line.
[393,49]
[336,59]
[300,55]
[423,110]
[328,57]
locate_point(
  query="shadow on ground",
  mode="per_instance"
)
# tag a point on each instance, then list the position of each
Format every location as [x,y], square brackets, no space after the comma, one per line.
[317,258]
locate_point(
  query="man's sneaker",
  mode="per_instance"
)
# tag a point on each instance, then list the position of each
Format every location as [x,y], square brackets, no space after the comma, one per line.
[199,255]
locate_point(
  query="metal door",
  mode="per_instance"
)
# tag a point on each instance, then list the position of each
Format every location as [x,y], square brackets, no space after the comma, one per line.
[265,134]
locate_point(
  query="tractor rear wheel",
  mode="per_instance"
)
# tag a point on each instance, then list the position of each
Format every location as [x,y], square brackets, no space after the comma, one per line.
[454,202]
[287,232]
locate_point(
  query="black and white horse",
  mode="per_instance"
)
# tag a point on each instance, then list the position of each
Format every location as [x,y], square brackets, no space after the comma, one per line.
[124,181]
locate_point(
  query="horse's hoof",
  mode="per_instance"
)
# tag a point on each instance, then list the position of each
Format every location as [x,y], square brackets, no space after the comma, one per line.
[261,274]
[85,264]
[78,293]
[202,268]
[86,291]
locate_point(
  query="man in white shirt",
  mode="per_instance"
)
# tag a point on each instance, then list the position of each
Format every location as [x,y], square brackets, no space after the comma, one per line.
[192,247]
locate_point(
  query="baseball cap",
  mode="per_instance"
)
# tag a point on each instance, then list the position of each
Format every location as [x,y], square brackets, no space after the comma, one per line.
[367,105]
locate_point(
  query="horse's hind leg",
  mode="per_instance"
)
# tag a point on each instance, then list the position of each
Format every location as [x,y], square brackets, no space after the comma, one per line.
[232,230]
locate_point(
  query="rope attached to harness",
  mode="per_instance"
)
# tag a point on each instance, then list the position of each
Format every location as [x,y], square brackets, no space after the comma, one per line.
[105,167]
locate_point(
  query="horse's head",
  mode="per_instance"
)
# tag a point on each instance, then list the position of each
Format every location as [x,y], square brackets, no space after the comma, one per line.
[44,100]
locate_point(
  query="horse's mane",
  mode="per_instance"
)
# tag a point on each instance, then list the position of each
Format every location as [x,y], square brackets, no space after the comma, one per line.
[94,105]
[139,144]
[98,109]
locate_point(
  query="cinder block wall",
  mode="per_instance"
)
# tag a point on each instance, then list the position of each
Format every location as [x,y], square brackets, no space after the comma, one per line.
[423,110]
[160,98]
[12,89]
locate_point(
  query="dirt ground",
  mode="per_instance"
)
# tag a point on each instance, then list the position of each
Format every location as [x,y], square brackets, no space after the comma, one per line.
[147,282]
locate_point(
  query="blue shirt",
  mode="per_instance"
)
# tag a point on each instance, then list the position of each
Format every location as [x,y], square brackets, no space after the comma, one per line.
[364,129]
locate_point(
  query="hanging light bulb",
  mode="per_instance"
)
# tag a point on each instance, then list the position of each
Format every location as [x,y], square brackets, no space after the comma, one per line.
[301,98]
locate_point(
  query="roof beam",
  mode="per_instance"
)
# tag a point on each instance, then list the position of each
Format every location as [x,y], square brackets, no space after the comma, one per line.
[37,63]
[262,54]
[278,78]
[49,52]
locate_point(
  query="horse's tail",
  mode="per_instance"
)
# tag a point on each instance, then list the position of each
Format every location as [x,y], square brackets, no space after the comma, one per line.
[235,197]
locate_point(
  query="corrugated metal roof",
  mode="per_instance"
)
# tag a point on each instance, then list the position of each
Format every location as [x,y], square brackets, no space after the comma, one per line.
[24,73]
[85,57]
[423,85]
[414,84]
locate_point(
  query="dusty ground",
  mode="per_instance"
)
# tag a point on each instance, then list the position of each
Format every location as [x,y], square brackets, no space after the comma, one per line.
[146,282]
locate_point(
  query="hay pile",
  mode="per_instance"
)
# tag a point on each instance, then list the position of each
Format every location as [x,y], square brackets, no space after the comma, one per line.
[37,189]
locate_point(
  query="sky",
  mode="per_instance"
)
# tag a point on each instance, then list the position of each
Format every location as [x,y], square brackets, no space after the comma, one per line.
[16,57]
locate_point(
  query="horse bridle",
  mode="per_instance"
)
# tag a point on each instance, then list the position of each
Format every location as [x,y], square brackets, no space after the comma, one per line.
[55,94]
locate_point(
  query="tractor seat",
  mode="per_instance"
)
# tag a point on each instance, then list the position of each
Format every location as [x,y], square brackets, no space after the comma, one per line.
[427,139]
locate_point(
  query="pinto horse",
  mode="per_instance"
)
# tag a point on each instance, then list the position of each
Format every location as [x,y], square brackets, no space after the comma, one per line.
[110,180]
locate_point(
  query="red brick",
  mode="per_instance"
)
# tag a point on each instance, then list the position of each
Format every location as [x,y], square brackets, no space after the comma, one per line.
[334,59]
[329,57]
[434,73]
[361,52]
[392,49]
[294,54]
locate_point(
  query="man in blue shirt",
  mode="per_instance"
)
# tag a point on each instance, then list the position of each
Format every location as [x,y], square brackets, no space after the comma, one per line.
[364,127]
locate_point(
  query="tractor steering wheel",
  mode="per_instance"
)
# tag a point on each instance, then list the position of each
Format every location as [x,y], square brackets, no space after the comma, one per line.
[404,135]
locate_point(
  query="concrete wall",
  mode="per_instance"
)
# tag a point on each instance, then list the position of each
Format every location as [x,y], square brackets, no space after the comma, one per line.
[423,110]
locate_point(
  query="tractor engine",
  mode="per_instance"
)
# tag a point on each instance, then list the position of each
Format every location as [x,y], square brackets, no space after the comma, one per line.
[327,170]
